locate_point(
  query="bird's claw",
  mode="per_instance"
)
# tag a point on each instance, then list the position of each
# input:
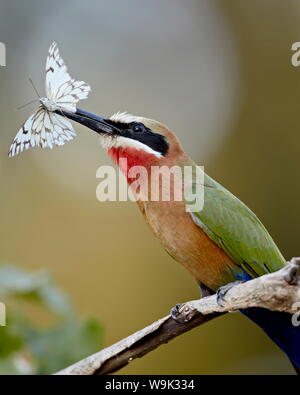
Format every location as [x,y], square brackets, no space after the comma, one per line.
[222,291]
[292,271]
[175,311]
[182,313]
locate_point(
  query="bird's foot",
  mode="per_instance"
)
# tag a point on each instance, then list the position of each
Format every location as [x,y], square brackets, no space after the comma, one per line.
[183,312]
[205,291]
[292,271]
[175,311]
[222,291]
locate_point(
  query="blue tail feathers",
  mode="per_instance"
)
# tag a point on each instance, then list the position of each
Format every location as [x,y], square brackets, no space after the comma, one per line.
[279,327]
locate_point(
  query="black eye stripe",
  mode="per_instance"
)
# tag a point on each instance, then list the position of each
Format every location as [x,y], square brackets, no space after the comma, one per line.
[153,140]
[144,135]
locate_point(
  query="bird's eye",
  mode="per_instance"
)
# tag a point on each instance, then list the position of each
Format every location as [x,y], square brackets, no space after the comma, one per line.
[138,128]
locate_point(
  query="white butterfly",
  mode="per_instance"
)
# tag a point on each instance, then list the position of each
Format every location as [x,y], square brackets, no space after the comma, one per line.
[46,128]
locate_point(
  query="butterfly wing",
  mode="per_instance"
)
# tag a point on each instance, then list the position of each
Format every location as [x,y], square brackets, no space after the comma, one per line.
[25,136]
[60,87]
[62,129]
[45,128]
[42,129]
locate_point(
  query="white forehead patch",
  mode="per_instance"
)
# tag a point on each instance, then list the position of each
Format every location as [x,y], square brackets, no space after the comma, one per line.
[124,117]
[108,142]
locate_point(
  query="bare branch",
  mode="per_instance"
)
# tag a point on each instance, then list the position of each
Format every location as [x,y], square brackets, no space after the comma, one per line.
[279,291]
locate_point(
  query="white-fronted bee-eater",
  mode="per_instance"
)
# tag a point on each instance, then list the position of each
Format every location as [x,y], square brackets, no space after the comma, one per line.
[222,243]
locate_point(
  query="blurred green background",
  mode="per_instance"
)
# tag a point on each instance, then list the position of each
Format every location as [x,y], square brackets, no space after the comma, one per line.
[218,73]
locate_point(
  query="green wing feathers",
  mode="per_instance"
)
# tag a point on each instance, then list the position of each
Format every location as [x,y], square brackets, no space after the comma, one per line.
[237,230]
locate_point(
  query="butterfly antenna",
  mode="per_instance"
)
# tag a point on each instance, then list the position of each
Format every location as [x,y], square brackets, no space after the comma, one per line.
[27,104]
[36,91]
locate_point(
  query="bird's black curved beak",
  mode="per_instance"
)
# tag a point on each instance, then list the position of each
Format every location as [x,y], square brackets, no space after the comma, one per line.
[92,121]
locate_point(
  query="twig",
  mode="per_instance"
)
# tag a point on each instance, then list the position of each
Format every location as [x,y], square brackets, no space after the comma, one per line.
[279,291]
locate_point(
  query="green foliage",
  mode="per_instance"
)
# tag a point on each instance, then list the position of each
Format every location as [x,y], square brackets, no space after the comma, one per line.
[27,347]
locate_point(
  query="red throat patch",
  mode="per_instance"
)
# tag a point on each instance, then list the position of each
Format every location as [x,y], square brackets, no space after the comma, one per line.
[133,157]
